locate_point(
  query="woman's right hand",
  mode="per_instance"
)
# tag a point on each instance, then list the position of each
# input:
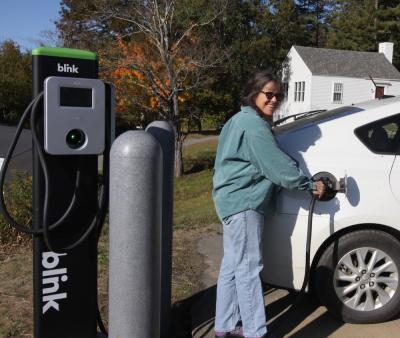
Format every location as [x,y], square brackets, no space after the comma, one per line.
[319,189]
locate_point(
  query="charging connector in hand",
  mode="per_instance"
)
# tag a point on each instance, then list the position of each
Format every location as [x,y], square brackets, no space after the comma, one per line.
[332,185]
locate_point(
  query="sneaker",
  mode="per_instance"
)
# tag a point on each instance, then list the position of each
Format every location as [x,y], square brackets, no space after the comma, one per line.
[236,333]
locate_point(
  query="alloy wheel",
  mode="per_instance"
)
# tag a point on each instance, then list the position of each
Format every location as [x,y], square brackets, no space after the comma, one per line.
[365,279]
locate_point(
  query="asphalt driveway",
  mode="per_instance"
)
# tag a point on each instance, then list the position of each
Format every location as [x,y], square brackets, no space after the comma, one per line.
[306,320]
[22,159]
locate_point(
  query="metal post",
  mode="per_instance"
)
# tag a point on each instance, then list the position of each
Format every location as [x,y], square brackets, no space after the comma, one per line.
[135,226]
[164,133]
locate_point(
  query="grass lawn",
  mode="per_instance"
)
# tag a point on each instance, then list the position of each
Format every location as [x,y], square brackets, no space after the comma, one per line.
[193,205]
[193,211]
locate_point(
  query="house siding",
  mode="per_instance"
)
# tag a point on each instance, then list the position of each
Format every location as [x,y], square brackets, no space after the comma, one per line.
[392,89]
[354,91]
[296,71]
[319,89]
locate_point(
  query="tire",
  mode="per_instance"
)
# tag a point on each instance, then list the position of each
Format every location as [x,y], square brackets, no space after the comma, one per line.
[357,292]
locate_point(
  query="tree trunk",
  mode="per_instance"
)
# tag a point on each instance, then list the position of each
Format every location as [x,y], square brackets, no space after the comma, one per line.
[178,137]
[376,21]
[178,156]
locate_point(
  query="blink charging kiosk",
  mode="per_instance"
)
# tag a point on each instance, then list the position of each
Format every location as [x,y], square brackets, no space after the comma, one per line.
[75,114]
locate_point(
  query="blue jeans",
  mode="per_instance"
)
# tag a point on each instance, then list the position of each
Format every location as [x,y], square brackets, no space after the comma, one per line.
[239,288]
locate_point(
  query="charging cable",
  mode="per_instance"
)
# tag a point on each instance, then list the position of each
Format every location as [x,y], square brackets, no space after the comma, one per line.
[96,223]
[97,220]
[46,228]
[23,228]
[332,187]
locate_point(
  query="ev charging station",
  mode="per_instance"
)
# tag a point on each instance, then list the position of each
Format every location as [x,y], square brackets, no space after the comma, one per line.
[72,122]
[74,125]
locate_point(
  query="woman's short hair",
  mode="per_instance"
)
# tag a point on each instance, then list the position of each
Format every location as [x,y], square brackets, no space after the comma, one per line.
[255,85]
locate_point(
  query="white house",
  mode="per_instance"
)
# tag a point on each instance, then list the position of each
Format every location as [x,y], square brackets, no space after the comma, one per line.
[320,78]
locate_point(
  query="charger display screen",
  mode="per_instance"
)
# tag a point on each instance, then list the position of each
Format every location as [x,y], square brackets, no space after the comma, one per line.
[76,97]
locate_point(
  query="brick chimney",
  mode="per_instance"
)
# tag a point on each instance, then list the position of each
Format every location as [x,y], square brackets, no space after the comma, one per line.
[386,48]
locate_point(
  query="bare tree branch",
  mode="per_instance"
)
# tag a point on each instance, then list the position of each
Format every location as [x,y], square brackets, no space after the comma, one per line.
[199,24]
[172,62]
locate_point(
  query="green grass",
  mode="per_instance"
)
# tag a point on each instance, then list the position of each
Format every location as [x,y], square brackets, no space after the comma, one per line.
[18,197]
[193,203]
[199,156]
[201,134]
[193,211]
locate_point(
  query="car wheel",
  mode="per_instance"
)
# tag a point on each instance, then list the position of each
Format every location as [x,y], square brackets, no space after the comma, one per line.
[357,277]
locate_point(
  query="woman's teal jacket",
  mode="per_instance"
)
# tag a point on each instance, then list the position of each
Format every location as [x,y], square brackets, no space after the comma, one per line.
[249,163]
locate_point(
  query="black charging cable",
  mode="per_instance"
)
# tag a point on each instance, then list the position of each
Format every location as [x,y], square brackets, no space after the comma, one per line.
[101,209]
[306,277]
[308,245]
[46,228]
[98,220]
[3,208]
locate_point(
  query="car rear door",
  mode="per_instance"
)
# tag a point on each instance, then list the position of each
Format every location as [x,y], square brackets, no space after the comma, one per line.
[395,178]
[383,137]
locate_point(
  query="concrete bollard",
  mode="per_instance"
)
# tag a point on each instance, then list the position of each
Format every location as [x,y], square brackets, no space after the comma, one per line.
[164,133]
[135,227]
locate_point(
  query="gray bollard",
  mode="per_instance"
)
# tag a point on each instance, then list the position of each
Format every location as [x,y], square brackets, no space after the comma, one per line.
[164,133]
[135,226]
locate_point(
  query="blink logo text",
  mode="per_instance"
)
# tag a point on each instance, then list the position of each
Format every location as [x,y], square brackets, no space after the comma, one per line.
[66,68]
[52,277]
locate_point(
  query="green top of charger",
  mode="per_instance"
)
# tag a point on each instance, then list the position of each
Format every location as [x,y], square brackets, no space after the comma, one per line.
[64,52]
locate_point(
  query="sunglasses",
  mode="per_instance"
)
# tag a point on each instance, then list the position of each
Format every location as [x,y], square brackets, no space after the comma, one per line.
[270,95]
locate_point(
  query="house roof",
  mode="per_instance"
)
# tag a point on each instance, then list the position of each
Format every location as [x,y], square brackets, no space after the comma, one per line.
[335,62]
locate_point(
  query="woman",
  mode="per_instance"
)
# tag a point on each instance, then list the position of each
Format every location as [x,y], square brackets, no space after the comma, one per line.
[248,165]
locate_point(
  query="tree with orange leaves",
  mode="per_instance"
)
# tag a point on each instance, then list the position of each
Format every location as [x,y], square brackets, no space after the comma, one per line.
[158,61]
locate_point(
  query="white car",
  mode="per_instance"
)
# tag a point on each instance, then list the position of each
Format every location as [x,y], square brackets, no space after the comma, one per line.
[355,248]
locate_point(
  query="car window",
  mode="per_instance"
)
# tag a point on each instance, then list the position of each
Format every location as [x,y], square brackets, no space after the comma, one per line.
[383,136]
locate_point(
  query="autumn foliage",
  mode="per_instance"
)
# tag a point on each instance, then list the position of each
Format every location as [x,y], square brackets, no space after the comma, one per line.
[143,86]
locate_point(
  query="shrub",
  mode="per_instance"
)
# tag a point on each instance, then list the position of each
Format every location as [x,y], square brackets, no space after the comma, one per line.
[18,199]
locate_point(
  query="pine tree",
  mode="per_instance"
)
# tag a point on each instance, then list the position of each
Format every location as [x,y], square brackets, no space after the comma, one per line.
[388,26]
[314,15]
[351,26]
[15,81]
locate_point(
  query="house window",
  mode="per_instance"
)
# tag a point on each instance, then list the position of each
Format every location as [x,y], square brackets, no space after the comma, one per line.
[337,92]
[299,91]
